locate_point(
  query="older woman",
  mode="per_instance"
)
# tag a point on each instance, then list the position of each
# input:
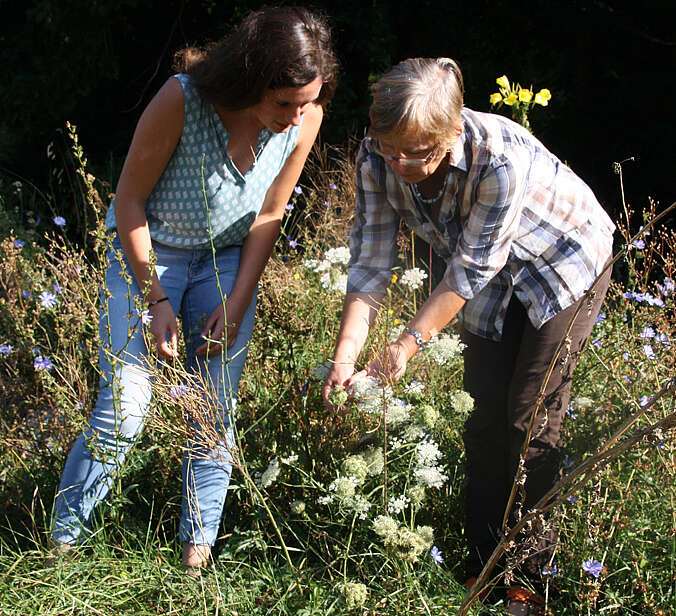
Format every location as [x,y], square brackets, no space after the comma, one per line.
[523,238]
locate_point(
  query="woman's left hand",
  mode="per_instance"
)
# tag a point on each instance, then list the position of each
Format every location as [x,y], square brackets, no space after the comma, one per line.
[215,327]
[389,365]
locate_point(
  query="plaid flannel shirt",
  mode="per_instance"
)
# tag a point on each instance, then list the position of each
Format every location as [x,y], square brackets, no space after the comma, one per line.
[513,219]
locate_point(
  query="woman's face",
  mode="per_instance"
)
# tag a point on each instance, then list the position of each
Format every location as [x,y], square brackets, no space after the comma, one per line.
[282,108]
[425,152]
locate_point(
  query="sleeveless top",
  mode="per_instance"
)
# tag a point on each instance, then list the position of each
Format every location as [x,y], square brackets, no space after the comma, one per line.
[201,194]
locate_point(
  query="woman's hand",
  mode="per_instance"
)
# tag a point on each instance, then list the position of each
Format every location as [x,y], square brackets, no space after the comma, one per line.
[390,364]
[163,322]
[215,327]
[339,376]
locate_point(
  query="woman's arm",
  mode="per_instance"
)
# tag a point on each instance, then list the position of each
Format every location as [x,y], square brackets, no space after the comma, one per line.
[261,238]
[359,312]
[155,138]
[439,310]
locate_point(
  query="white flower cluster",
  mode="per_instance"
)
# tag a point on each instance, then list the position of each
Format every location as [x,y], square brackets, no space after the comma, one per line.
[403,542]
[427,471]
[462,402]
[444,349]
[354,594]
[370,396]
[414,388]
[269,475]
[413,278]
[331,269]
[397,504]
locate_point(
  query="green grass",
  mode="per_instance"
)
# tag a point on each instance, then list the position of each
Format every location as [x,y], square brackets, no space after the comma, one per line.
[624,515]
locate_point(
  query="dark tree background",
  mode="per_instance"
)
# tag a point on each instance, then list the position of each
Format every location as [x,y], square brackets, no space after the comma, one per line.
[609,66]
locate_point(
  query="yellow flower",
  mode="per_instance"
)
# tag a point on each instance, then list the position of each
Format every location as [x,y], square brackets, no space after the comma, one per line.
[542,97]
[396,322]
[394,278]
[525,96]
[503,82]
[495,98]
[296,276]
[390,311]
[511,99]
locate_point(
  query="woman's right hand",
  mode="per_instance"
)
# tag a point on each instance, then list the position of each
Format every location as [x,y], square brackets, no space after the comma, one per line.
[339,376]
[163,323]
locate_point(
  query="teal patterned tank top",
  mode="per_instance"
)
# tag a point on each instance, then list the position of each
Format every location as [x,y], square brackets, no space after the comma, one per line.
[179,211]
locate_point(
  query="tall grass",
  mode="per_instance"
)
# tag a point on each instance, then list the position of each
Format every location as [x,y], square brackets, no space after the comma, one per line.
[327,513]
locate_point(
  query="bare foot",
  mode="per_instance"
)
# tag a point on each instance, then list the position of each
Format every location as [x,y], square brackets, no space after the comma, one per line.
[195,557]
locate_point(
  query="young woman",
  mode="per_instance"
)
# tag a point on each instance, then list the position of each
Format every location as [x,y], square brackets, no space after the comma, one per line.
[523,239]
[212,164]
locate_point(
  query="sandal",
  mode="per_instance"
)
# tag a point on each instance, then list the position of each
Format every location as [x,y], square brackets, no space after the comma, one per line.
[523,602]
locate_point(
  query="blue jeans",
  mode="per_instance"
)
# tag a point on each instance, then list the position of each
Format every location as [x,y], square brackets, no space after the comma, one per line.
[190,281]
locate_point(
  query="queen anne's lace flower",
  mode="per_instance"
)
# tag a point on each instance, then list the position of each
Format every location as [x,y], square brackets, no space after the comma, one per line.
[462,402]
[384,526]
[427,453]
[269,475]
[444,349]
[375,460]
[430,476]
[397,412]
[413,278]
[338,256]
[354,594]
[397,504]
[355,466]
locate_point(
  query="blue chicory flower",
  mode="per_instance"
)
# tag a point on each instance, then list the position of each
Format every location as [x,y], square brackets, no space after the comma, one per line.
[176,391]
[648,332]
[639,244]
[600,317]
[5,349]
[332,186]
[648,350]
[597,342]
[644,400]
[435,553]
[550,571]
[293,243]
[47,299]
[288,207]
[593,566]
[41,363]
[298,190]
[59,221]
[572,499]
[19,244]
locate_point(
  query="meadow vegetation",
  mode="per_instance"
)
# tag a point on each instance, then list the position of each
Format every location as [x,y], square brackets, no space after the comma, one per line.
[358,509]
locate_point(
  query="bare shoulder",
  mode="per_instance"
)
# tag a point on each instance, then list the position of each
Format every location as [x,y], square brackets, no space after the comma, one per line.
[168,104]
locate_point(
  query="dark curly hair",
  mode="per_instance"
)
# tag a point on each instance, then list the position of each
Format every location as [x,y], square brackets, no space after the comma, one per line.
[275,47]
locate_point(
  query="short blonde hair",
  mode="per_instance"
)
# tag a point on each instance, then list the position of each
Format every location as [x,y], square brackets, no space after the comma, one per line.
[422,96]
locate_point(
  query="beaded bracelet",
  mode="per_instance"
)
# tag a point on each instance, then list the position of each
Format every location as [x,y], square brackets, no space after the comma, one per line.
[418,337]
[157,301]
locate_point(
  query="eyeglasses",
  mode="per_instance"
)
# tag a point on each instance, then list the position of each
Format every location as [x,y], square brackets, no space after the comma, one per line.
[401,160]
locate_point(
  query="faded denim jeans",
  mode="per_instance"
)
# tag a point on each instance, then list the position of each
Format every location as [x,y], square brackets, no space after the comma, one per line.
[189,279]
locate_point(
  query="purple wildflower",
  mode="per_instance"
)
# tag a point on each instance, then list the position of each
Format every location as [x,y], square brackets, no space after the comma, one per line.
[566,462]
[19,244]
[41,363]
[25,293]
[600,317]
[648,332]
[551,571]
[59,221]
[644,400]
[327,203]
[572,499]
[176,391]
[146,317]
[298,190]
[435,553]
[47,299]
[593,566]
[639,244]
[648,350]
[57,288]
[293,243]
[288,207]
[597,342]
[663,339]
[332,186]
[5,349]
